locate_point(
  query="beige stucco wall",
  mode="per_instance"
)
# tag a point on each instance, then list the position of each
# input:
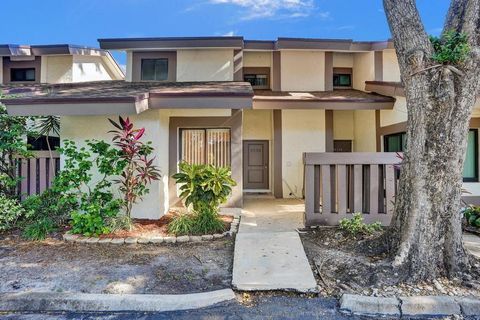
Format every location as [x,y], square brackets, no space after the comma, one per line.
[205,65]
[396,115]
[257,125]
[257,59]
[57,69]
[391,71]
[343,126]
[89,68]
[364,129]
[80,128]
[343,60]
[363,69]
[302,70]
[302,131]
[128,71]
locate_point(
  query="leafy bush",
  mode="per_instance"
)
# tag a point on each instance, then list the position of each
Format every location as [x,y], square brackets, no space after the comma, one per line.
[93,198]
[451,48]
[205,188]
[12,146]
[139,169]
[182,224]
[39,229]
[196,224]
[355,225]
[472,216]
[10,212]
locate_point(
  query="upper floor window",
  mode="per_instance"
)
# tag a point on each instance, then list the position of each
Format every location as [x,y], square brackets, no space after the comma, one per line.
[155,69]
[22,74]
[258,81]
[259,77]
[342,78]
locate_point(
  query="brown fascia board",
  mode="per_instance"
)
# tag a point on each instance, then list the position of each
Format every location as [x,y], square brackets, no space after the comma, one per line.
[319,44]
[386,88]
[52,49]
[259,45]
[72,100]
[171,42]
[14,50]
[332,44]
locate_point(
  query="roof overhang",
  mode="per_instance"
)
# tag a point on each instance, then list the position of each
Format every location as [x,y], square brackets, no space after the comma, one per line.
[120,97]
[13,50]
[328,100]
[171,42]
[387,88]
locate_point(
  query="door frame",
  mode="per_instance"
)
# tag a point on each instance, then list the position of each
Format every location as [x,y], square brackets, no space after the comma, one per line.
[267,142]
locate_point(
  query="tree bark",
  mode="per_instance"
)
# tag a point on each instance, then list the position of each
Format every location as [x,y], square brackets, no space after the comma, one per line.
[426,234]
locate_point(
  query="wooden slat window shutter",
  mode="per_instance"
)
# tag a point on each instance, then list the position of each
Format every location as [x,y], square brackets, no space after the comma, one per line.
[206,146]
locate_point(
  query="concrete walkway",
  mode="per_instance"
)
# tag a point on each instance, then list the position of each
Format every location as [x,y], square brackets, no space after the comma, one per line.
[269,254]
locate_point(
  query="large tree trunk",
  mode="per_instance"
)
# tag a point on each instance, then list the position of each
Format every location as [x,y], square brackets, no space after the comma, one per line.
[426,233]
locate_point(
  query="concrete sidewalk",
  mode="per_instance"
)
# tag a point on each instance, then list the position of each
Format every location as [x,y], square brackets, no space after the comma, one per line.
[269,254]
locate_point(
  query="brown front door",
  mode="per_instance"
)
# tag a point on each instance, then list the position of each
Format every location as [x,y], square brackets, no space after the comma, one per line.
[255,164]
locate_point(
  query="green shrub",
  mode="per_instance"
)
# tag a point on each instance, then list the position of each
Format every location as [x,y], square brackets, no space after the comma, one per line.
[196,224]
[451,48]
[92,219]
[182,224]
[205,188]
[355,225]
[93,199]
[472,216]
[39,229]
[10,212]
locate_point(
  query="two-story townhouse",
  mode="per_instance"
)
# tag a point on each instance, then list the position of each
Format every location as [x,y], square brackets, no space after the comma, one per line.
[256,106]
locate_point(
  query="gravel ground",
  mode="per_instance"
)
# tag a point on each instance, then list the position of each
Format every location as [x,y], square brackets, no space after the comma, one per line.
[53,265]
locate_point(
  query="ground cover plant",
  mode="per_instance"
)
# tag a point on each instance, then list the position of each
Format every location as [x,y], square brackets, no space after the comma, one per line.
[203,188]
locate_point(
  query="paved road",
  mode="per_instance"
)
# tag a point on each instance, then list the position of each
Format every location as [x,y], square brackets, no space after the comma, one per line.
[273,307]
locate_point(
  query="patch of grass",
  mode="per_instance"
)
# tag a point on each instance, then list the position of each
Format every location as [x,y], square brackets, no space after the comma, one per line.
[39,229]
[196,224]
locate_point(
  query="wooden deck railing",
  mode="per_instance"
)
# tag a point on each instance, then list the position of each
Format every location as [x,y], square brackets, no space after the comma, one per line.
[37,173]
[339,184]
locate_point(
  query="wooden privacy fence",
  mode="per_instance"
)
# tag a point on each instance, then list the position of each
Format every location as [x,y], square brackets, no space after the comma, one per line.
[37,173]
[339,184]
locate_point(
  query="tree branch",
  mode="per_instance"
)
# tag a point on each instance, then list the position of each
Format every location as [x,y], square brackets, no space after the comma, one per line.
[464,16]
[408,32]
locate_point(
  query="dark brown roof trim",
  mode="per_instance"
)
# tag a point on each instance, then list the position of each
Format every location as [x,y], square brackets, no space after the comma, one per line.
[386,88]
[14,50]
[239,43]
[259,45]
[201,94]
[39,50]
[172,42]
[32,101]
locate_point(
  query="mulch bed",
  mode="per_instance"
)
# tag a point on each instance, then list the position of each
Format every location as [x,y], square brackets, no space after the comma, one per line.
[150,228]
[344,264]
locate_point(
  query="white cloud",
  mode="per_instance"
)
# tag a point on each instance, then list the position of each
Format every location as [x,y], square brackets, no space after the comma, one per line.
[274,9]
[229,34]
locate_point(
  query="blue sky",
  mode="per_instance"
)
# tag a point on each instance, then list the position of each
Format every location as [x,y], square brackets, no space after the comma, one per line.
[84,21]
